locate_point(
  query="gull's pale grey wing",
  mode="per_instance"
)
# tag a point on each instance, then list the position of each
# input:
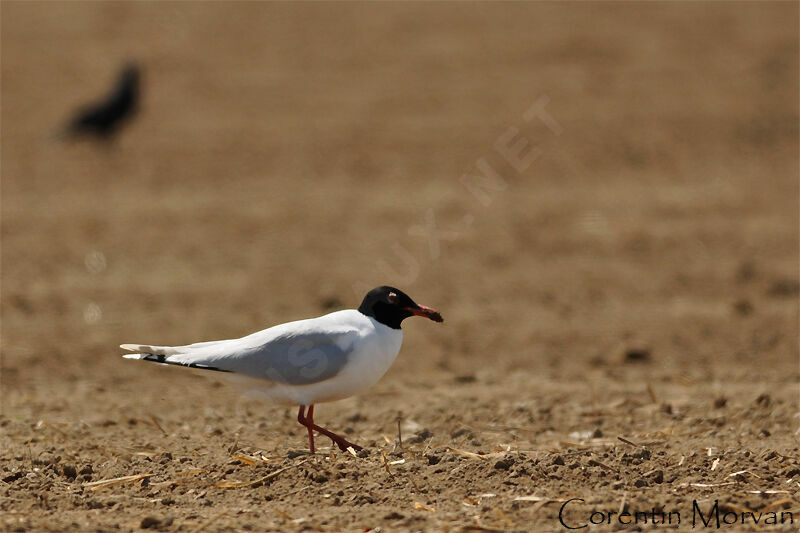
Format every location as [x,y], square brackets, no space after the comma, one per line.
[302,359]
[292,357]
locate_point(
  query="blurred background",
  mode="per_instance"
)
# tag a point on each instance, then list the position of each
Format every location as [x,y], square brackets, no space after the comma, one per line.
[287,157]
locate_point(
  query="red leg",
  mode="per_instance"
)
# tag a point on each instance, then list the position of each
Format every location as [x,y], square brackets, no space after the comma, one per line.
[308,422]
[310,419]
[305,422]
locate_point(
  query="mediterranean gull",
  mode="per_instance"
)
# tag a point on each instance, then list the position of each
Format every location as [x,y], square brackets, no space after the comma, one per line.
[308,361]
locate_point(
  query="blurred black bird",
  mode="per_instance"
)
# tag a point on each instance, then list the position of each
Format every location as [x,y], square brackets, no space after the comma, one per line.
[104,118]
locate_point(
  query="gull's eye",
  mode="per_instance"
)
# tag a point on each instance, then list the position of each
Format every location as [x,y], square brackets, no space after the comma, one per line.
[392,298]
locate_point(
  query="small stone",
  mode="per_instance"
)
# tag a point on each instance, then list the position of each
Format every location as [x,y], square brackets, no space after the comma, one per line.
[150,522]
[297,453]
[45,458]
[69,471]
[558,460]
[434,459]
[13,477]
[597,433]
[640,483]
[422,436]
[87,470]
[637,355]
[503,464]
[657,476]
[720,402]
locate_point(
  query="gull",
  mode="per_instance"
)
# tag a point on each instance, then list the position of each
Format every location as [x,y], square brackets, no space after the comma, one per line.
[310,361]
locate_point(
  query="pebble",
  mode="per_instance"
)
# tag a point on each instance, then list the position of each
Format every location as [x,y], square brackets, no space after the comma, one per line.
[637,355]
[149,522]
[503,464]
[69,471]
[45,458]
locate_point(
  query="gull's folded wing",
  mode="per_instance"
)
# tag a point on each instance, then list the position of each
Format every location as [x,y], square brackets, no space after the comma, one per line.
[297,353]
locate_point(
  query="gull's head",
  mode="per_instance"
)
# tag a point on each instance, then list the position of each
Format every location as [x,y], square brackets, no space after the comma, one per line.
[391,306]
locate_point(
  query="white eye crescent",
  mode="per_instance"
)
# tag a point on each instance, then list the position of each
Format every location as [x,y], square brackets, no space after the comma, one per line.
[392,298]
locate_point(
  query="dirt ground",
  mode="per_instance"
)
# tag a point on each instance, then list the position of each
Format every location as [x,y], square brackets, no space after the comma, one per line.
[620,294]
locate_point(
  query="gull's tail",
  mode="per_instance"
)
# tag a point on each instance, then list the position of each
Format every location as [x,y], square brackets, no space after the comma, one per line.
[169,355]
